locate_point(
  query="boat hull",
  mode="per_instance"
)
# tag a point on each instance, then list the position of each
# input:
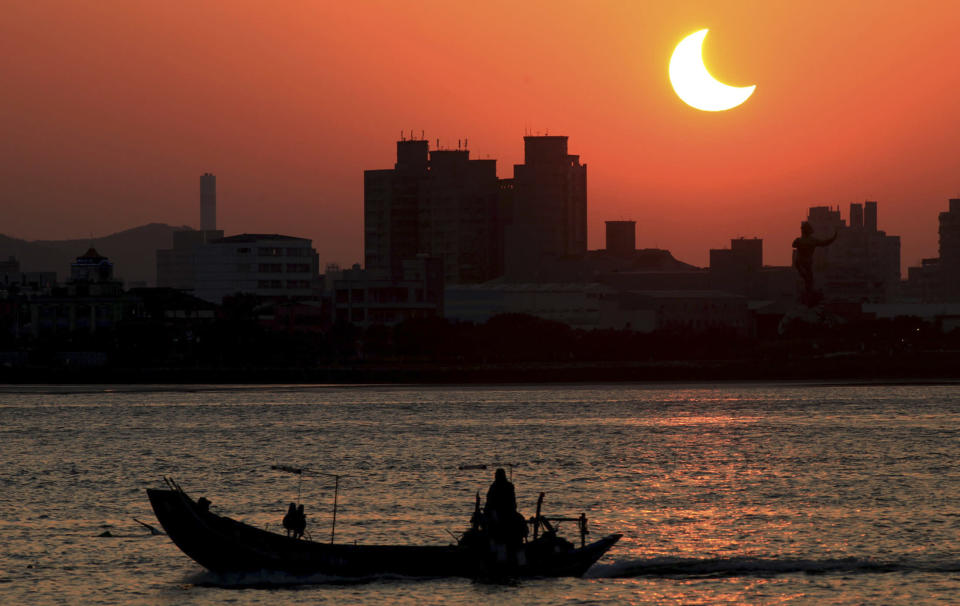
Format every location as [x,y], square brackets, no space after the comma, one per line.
[223,545]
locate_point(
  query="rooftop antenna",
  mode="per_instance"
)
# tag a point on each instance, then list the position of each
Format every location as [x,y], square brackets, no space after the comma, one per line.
[465,146]
[401,136]
[458,144]
[423,135]
[438,142]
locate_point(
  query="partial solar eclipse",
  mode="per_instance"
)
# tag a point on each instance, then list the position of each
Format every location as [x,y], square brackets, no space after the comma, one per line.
[694,84]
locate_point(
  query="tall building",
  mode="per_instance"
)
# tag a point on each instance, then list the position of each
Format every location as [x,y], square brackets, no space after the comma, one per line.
[208,202]
[549,211]
[438,203]
[391,208]
[949,265]
[176,266]
[938,280]
[458,219]
[863,263]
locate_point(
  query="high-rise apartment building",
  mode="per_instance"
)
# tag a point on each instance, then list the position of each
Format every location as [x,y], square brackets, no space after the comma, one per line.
[438,203]
[948,267]
[458,216]
[950,237]
[549,206]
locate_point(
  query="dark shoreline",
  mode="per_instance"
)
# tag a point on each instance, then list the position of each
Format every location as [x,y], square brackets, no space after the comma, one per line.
[931,367]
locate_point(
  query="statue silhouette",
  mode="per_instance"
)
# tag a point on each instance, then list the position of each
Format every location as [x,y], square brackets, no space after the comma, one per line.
[806,244]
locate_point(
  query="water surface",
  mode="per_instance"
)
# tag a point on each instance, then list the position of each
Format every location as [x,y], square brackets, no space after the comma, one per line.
[754,493]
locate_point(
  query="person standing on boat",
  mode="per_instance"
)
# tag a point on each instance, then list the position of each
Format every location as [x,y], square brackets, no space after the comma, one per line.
[289,520]
[300,523]
[504,524]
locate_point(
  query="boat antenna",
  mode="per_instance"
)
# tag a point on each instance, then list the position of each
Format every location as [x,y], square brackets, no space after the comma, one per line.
[297,470]
[336,488]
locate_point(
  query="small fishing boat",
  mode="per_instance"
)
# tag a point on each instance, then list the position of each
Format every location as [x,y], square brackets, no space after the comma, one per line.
[223,545]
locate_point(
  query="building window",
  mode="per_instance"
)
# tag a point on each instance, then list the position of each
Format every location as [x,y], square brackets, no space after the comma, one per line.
[243,251]
[298,268]
[270,252]
[270,268]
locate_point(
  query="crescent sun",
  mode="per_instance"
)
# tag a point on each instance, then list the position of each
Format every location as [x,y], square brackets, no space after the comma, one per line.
[694,84]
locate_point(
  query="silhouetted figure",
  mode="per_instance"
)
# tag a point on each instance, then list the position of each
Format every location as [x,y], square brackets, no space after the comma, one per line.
[806,244]
[503,523]
[301,523]
[289,520]
[203,504]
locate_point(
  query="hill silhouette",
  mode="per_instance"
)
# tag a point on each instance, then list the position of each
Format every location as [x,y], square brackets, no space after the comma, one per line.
[133,252]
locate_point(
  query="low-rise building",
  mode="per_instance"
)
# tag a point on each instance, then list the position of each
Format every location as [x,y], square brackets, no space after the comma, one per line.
[590,306]
[270,266]
[176,267]
[371,297]
[91,301]
[693,311]
[585,306]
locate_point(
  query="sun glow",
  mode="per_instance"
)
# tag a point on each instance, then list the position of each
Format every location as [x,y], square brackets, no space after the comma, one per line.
[694,84]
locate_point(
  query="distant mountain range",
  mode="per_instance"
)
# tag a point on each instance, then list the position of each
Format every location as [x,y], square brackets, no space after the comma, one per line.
[132,251]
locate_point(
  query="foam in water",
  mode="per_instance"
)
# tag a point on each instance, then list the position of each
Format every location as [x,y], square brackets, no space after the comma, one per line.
[718,567]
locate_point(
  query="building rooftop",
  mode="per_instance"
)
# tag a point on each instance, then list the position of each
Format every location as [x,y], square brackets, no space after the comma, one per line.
[496,286]
[258,237]
[686,294]
[91,255]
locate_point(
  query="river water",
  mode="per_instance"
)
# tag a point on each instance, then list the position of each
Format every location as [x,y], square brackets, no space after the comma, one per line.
[737,493]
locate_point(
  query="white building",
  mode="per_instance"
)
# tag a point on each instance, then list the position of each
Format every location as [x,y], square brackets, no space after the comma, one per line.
[272,266]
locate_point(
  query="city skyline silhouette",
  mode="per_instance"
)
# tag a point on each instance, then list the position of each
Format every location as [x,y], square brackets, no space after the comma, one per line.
[113,111]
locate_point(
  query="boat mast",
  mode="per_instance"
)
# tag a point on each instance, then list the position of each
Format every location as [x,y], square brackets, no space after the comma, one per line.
[336,492]
[336,489]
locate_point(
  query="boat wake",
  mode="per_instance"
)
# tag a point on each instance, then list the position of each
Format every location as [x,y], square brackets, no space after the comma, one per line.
[654,568]
[731,567]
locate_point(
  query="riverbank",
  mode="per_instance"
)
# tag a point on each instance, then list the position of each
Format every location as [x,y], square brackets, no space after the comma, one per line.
[868,368]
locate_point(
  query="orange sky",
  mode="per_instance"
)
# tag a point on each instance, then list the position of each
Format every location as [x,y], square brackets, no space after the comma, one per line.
[109,112]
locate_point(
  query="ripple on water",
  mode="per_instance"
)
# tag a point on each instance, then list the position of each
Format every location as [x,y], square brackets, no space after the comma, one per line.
[736,493]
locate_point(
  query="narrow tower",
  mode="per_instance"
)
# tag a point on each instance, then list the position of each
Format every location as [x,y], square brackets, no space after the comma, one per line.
[208,202]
